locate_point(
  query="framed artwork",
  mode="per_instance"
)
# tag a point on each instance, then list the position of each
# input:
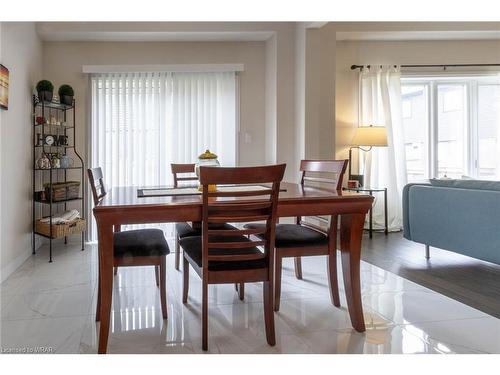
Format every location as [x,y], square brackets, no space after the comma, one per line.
[4,87]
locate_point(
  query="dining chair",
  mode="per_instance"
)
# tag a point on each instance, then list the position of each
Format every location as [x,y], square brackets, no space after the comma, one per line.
[221,256]
[141,247]
[185,172]
[305,238]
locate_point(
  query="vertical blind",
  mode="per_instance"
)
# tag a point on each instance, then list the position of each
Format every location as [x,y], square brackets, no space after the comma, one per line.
[142,122]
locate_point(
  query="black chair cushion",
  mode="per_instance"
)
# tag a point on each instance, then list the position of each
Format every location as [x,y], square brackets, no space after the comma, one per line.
[139,243]
[293,235]
[192,247]
[186,230]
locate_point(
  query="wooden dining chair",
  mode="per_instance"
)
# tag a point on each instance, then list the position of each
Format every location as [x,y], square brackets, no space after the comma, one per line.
[141,247]
[185,172]
[222,256]
[307,239]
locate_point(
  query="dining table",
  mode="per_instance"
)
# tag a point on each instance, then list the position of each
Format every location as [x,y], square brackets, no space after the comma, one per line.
[125,206]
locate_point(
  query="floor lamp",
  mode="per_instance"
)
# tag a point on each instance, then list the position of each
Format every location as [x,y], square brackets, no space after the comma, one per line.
[366,136]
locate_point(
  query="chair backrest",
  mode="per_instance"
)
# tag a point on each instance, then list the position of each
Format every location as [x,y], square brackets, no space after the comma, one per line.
[332,171]
[243,204]
[329,172]
[96,180]
[182,169]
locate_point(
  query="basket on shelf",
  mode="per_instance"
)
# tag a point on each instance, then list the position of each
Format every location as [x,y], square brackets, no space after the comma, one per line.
[60,230]
[62,191]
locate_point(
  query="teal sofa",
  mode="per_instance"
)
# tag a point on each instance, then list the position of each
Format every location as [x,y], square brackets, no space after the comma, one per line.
[462,216]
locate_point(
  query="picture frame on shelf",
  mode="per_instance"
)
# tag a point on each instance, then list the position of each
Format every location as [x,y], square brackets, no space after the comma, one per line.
[4,87]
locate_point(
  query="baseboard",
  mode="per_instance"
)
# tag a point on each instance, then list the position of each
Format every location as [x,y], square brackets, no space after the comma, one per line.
[10,268]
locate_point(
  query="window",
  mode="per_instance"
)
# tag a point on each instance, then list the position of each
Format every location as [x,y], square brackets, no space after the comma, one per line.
[453,128]
[407,104]
[415,130]
[488,131]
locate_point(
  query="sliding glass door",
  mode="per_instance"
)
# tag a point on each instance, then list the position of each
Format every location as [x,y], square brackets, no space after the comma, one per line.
[143,122]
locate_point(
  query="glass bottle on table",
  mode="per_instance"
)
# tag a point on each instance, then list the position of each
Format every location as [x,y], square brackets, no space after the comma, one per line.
[207,159]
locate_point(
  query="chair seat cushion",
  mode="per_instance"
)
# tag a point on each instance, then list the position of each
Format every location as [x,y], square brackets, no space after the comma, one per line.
[186,230]
[293,235]
[192,248]
[139,243]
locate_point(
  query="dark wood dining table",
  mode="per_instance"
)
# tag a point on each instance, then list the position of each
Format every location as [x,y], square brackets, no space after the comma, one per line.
[122,206]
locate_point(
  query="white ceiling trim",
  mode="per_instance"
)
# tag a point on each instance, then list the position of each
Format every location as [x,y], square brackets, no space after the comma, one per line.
[315,25]
[95,69]
[154,36]
[416,35]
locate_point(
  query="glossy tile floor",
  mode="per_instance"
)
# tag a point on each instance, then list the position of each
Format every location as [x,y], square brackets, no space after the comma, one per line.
[52,305]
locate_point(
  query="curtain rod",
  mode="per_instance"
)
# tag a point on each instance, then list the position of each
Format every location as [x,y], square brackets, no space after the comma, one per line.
[444,66]
[188,68]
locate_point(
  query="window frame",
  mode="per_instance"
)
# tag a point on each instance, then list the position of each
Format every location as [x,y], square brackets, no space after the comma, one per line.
[471,83]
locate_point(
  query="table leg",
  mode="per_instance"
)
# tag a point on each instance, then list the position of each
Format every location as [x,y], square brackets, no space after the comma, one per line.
[371,218]
[105,233]
[385,213]
[351,232]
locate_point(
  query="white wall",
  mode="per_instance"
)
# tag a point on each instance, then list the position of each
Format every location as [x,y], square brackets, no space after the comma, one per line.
[279,137]
[319,135]
[21,53]
[63,63]
[395,52]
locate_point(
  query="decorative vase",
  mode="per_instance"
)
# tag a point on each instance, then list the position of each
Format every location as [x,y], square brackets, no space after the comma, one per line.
[66,161]
[66,100]
[55,162]
[207,159]
[43,162]
[45,96]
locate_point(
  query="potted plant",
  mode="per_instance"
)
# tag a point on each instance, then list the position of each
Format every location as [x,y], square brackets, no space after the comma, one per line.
[66,94]
[45,90]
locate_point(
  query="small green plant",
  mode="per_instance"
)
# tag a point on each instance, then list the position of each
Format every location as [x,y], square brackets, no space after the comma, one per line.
[66,90]
[44,85]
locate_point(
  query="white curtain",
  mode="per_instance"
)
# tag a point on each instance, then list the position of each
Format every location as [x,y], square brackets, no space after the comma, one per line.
[203,116]
[129,117]
[380,104]
[142,122]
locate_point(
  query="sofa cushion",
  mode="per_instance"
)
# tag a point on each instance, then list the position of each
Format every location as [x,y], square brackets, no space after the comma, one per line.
[466,184]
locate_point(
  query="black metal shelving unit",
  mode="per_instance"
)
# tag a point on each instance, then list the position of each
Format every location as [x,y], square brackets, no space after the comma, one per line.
[47,207]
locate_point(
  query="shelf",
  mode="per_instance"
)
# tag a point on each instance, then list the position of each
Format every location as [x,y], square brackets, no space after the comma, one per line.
[57,237]
[54,105]
[61,230]
[61,126]
[43,235]
[56,202]
[57,169]
[54,146]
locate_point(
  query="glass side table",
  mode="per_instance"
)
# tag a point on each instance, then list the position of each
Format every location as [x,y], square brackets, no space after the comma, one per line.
[370,191]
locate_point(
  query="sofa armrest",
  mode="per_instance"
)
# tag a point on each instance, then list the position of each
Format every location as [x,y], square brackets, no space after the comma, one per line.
[406,202]
[465,221]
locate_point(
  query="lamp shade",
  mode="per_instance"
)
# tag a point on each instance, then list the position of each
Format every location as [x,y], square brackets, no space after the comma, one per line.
[370,136]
